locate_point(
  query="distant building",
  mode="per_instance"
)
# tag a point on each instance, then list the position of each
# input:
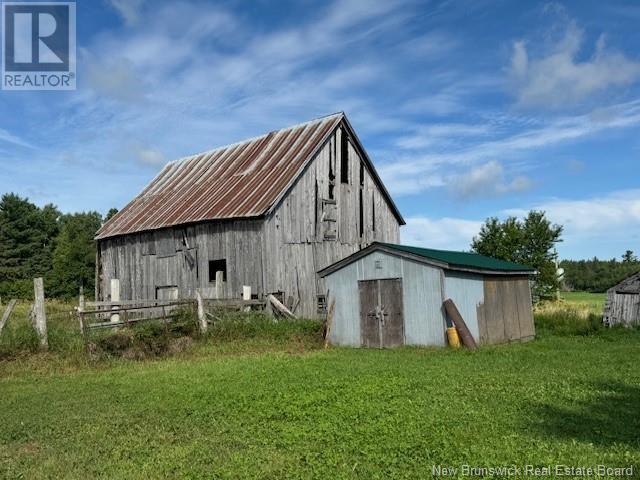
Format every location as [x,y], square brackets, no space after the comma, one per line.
[388,295]
[268,212]
[622,306]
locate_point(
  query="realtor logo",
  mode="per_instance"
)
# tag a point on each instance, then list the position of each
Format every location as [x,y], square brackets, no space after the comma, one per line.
[38,45]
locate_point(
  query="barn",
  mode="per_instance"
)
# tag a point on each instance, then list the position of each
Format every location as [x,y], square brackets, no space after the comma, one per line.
[388,295]
[622,306]
[267,213]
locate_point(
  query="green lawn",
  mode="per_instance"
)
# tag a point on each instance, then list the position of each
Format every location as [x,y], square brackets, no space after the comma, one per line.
[584,298]
[338,413]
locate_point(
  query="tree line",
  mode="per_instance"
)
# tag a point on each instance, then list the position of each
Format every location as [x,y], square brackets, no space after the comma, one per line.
[43,242]
[599,275]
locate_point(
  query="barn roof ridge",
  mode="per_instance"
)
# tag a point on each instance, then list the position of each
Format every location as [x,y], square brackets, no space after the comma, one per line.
[251,139]
[242,180]
[447,259]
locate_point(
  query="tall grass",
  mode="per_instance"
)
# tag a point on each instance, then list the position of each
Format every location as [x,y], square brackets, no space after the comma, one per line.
[567,321]
[19,337]
[578,313]
[229,333]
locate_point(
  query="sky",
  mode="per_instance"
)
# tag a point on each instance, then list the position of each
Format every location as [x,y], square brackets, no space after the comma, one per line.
[469,109]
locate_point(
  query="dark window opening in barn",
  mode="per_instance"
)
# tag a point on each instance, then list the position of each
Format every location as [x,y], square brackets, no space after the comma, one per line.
[181,240]
[361,215]
[315,199]
[322,304]
[217,266]
[329,219]
[332,176]
[344,157]
[362,174]
[373,212]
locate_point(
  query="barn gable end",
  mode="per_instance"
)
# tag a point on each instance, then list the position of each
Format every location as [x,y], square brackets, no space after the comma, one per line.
[293,204]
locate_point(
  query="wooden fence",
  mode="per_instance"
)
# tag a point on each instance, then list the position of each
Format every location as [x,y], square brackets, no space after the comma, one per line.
[118,313]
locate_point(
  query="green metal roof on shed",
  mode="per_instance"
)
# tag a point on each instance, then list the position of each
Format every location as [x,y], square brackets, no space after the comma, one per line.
[448,259]
[461,259]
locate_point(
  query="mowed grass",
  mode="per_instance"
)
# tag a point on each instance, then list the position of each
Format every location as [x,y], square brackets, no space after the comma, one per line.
[337,413]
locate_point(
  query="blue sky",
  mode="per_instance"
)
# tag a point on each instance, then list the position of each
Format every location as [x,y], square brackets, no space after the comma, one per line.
[469,109]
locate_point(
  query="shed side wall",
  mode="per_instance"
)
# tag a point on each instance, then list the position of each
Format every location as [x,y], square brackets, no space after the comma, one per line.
[467,292]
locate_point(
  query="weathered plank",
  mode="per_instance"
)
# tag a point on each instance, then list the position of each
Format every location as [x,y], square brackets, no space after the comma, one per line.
[40,313]
[6,314]
[202,319]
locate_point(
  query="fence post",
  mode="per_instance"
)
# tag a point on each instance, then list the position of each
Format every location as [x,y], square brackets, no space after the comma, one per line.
[219,284]
[81,308]
[202,318]
[246,295]
[40,312]
[115,298]
[81,301]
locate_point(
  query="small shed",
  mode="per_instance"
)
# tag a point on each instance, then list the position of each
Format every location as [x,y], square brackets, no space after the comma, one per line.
[622,306]
[389,295]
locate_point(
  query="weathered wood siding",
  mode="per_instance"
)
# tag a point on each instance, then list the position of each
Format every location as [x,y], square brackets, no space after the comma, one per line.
[506,314]
[622,308]
[316,224]
[148,261]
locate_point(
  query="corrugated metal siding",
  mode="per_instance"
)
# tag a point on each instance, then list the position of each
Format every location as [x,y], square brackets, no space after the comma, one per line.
[424,318]
[241,180]
[343,288]
[424,322]
[467,292]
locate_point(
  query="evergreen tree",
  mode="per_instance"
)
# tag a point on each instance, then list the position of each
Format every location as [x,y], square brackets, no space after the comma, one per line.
[74,259]
[27,240]
[111,213]
[529,242]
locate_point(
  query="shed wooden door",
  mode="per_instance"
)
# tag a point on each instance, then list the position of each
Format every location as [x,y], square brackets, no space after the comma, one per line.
[381,313]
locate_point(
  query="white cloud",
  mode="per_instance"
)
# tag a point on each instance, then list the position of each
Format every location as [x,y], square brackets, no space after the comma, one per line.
[487,180]
[609,222]
[444,233]
[6,136]
[601,214]
[117,80]
[128,9]
[576,166]
[432,45]
[439,134]
[149,156]
[401,172]
[557,77]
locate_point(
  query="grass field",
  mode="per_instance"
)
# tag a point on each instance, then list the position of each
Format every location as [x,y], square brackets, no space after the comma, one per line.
[592,300]
[243,406]
[264,400]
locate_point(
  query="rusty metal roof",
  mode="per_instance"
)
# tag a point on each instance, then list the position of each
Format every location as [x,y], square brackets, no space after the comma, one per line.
[242,180]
